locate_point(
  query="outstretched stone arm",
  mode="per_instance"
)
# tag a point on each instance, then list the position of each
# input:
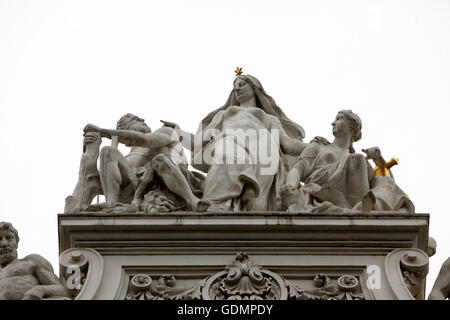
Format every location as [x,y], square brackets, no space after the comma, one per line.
[49,284]
[290,146]
[134,138]
[187,139]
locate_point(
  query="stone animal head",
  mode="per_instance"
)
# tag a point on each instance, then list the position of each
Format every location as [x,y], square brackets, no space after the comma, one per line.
[373,153]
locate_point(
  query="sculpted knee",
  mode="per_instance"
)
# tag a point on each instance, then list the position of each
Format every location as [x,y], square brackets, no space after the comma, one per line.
[358,156]
[358,159]
[160,162]
[107,153]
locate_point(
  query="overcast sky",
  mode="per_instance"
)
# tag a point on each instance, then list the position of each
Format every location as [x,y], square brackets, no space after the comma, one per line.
[66,63]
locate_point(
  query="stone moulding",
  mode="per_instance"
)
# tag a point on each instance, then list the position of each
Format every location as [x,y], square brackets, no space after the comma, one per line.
[287,255]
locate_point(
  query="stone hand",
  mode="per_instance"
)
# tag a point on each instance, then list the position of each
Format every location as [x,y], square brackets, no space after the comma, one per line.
[91,137]
[91,128]
[320,140]
[34,293]
[170,124]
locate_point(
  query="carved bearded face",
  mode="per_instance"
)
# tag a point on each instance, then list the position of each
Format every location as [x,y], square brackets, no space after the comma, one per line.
[8,247]
[341,126]
[138,124]
[243,90]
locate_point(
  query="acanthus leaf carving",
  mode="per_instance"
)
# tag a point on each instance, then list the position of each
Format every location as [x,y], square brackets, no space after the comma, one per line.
[346,287]
[141,288]
[244,280]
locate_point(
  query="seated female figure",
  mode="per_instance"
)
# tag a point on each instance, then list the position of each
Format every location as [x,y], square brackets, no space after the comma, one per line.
[336,179]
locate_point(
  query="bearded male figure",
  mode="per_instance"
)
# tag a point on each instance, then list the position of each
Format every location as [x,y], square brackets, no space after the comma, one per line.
[158,152]
[30,278]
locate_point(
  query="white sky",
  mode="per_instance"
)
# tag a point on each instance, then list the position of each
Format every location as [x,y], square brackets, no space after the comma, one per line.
[66,63]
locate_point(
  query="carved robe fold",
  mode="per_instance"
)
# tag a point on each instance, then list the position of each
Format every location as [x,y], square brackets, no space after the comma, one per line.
[336,186]
[241,150]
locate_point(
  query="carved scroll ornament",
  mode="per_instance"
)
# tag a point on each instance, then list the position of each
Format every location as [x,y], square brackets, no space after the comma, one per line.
[406,270]
[244,280]
[81,272]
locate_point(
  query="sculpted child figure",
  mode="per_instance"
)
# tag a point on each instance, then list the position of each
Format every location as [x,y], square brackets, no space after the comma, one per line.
[30,278]
[123,179]
[336,179]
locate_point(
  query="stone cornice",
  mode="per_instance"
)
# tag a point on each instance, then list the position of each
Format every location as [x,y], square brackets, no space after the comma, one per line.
[270,232]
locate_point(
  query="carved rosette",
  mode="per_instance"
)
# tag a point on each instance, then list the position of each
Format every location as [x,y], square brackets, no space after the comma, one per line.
[142,288]
[244,280]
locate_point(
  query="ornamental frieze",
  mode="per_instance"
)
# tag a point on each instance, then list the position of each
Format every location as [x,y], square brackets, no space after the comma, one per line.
[244,280]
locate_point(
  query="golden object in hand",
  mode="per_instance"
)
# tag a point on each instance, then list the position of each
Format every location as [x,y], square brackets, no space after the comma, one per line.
[383,170]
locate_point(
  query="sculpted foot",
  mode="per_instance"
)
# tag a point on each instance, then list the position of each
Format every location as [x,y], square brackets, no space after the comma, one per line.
[201,206]
[289,196]
[368,202]
[120,208]
[248,194]
[96,207]
[224,205]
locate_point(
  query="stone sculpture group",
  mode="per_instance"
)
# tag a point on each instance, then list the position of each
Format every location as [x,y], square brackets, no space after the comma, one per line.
[250,157]
[247,155]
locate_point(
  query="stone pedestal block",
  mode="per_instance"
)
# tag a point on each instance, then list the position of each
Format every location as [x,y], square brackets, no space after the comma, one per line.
[248,255]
